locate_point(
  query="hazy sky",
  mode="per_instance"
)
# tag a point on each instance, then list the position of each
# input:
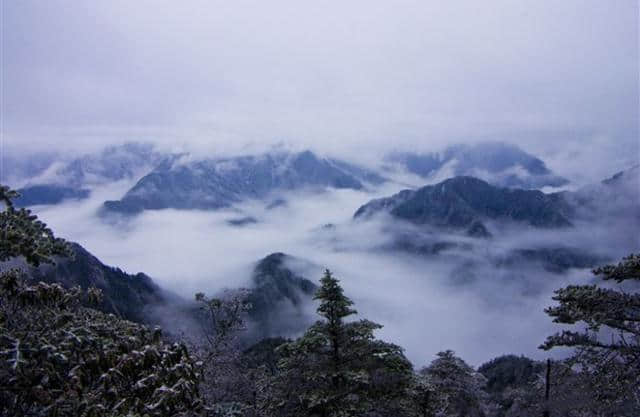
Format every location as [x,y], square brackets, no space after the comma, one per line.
[343,76]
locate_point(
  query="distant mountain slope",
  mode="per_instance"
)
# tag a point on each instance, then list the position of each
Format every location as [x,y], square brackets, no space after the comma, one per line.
[279,297]
[617,196]
[509,371]
[71,179]
[434,218]
[218,183]
[465,203]
[113,163]
[554,259]
[18,168]
[363,174]
[495,162]
[631,175]
[125,295]
[48,194]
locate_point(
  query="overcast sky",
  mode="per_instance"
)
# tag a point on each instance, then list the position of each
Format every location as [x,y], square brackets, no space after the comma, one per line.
[552,76]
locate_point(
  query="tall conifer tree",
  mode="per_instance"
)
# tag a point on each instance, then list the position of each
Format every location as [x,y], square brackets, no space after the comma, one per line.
[339,368]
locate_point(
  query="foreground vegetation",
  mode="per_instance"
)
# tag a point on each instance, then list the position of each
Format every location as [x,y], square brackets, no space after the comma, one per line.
[61,357]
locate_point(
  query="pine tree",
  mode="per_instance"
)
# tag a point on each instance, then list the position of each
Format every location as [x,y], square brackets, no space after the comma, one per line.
[58,358]
[22,234]
[339,368]
[334,307]
[457,386]
[607,351]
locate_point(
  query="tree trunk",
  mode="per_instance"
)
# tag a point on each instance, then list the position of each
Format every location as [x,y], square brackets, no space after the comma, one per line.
[547,387]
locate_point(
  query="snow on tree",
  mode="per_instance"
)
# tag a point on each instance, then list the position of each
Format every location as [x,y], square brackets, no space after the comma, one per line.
[607,343]
[58,358]
[339,368]
[456,385]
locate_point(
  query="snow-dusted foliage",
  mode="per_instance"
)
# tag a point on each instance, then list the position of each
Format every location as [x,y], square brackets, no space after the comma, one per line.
[58,358]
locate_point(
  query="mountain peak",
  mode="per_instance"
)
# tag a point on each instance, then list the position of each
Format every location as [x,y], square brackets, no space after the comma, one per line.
[279,296]
[497,162]
[464,203]
[223,182]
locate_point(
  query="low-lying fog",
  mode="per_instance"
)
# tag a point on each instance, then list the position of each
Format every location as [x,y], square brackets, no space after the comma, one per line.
[425,304]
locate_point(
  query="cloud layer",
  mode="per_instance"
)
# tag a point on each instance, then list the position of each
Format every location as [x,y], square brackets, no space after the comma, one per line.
[459,299]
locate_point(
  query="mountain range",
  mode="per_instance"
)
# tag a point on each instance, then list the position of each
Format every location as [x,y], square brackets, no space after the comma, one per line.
[467,203]
[222,182]
[184,181]
[55,180]
[498,163]
[439,214]
[465,214]
[279,293]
